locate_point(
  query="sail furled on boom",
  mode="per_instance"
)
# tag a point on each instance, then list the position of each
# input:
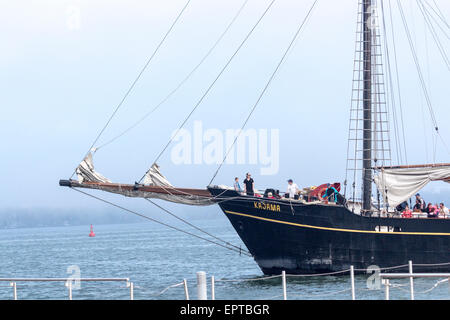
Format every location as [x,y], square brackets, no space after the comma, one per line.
[398,184]
[86,172]
[156,186]
[154,177]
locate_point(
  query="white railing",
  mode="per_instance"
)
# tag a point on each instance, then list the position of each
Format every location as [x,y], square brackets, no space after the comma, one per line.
[385,277]
[202,283]
[202,288]
[68,283]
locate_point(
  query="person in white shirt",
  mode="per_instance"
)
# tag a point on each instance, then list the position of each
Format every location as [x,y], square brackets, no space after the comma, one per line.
[292,188]
[443,210]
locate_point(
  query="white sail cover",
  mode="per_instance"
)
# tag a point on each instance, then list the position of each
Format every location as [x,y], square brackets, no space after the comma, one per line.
[154,177]
[399,184]
[86,171]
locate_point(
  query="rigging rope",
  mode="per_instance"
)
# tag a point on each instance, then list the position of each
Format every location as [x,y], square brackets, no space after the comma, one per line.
[135,80]
[429,24]
[171,93]
[162,223]
[434,19]
[195,227]
[401,148]
[422,82]
[212,84]
[419,71]
[265,88]
[438,13]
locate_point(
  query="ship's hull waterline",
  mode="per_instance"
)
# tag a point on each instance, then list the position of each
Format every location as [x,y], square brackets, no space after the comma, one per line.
[314,238]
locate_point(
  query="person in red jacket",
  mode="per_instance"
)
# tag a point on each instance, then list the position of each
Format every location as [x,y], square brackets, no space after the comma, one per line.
[407,213]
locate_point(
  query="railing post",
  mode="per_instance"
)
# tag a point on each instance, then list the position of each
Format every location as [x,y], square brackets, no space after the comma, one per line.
[201,286]
[386,282]
[69,285]
[186,291]
[131,291]
[283,280]
[352,280]
[213,289]
[14,285]
[411,279]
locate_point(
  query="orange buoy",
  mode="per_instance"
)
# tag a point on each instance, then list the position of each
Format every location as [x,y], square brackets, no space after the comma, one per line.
[92,234]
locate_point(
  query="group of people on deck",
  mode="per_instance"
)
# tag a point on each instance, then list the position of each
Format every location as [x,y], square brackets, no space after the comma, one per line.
[432,211]
[249,185]
[292,192]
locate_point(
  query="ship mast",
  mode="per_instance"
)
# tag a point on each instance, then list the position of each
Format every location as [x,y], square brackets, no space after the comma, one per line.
[367,106]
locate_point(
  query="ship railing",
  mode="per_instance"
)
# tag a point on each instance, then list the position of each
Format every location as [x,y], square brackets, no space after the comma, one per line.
[68,282]
[384,275]
[202,282]
[388,285]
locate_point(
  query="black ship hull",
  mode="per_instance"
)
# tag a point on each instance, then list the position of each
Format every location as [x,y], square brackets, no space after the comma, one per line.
[314,238]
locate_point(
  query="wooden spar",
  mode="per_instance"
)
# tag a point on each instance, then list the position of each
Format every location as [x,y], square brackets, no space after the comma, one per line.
[417,166]
[129,188]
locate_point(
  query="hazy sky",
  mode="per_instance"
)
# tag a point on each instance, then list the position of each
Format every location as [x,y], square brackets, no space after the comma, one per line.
[65,65]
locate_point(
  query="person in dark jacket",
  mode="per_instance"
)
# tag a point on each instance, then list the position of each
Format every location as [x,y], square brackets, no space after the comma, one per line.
[249,185]
[402,206]
[420,203]
[331,194]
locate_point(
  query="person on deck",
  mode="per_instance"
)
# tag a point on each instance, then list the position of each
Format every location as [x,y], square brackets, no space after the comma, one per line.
[330,193]
[443,210]
[249,185]
[420,203]
[407,213]
[237,186]
[292,189]
[431,211]
[417,206]
[402,206]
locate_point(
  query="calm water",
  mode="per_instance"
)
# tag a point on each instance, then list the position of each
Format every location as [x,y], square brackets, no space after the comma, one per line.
[154,258]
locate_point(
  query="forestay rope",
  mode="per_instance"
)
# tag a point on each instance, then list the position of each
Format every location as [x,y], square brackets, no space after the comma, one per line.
[221,242]
[211,85]
[135,81]
[182,82]
[265,88]
[195,227]
[232,248]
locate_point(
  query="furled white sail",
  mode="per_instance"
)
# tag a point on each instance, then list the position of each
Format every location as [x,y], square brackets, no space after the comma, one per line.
[86,171]
[154,177]
[155,186]
[399,184]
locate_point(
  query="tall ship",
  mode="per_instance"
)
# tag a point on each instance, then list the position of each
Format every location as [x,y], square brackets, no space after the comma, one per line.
[361,222]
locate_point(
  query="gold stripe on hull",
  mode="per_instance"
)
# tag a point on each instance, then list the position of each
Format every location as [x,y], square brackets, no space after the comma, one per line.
[336,229]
